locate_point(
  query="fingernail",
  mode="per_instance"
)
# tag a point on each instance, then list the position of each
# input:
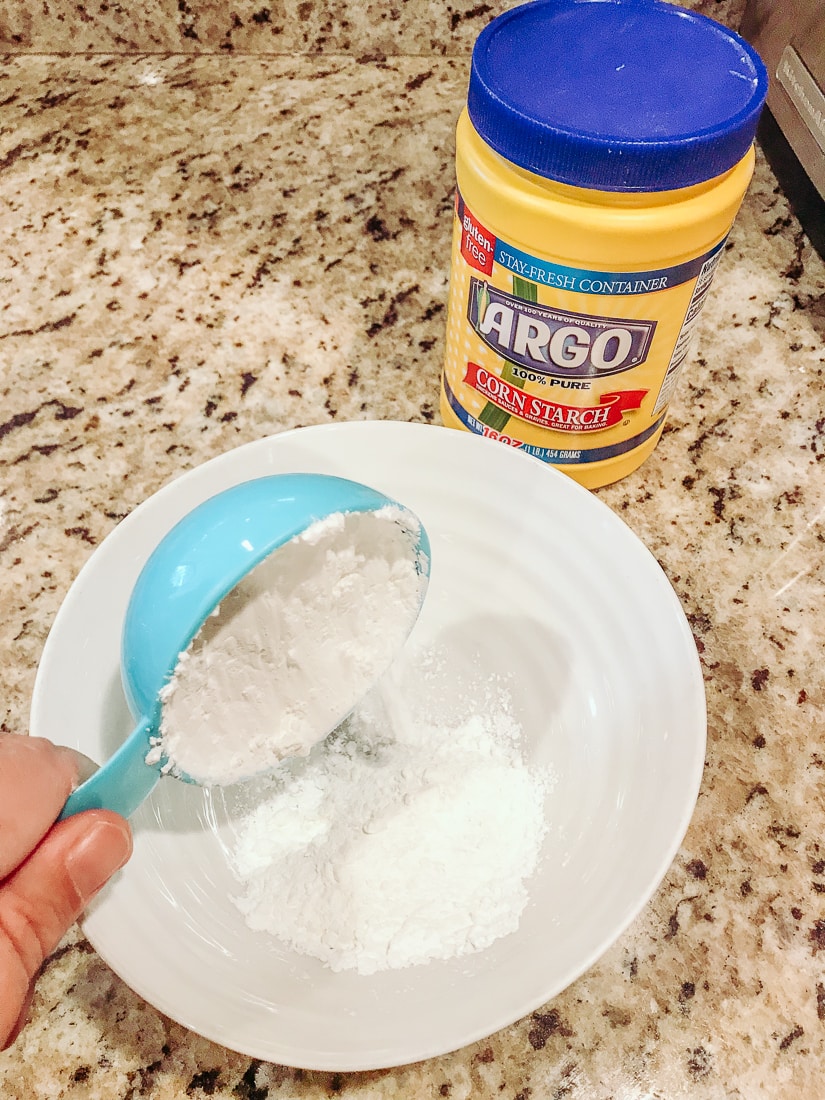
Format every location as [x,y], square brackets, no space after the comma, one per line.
[96,858]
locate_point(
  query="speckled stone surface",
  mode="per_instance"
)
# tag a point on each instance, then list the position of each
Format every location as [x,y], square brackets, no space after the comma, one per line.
[371,27]
[198,251]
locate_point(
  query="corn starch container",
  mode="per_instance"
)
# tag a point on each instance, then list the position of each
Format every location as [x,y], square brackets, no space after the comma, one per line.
[604,151]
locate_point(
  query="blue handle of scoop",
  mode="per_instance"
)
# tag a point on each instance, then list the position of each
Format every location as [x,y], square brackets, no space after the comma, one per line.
[123,782]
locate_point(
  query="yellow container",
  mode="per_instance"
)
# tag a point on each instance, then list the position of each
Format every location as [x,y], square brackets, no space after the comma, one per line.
[575,288]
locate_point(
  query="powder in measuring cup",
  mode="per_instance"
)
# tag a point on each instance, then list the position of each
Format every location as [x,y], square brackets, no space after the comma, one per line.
[408,836]
[293,647]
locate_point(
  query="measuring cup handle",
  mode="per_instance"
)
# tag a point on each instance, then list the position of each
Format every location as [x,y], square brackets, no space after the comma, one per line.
[122,783]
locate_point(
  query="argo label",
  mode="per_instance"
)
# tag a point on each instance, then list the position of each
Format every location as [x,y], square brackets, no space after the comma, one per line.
[555,341]
[575,366]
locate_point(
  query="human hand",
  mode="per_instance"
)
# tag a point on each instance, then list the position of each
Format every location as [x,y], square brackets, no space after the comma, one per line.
[48,872]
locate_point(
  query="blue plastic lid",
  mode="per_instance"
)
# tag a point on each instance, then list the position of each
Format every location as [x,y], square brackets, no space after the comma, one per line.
[616,95]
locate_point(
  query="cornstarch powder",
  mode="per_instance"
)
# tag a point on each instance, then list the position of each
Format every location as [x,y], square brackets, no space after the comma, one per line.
[293,647]
[407,836]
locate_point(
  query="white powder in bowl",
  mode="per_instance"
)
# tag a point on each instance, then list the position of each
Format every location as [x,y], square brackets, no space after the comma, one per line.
[293,647]
[405,837]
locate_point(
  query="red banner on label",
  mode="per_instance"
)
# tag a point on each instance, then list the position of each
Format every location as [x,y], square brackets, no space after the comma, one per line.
[551,414]
[478,245]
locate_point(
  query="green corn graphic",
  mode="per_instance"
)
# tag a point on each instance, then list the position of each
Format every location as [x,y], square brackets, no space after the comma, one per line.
[482,300]
[491,414]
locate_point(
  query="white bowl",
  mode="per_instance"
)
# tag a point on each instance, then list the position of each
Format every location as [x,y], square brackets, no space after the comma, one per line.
[531,575]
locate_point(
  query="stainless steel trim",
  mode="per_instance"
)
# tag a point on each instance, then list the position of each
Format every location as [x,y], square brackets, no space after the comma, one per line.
[803,93]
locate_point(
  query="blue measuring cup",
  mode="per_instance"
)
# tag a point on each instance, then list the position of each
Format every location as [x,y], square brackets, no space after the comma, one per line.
[191,570]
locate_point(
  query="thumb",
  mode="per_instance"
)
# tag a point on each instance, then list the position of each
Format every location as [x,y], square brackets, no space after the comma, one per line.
[45,895]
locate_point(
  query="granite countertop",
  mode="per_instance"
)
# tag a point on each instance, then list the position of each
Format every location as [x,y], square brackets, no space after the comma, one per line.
[200,250]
